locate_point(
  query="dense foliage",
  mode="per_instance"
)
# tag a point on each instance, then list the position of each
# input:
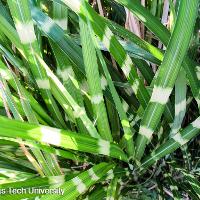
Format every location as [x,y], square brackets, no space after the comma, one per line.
[100,99]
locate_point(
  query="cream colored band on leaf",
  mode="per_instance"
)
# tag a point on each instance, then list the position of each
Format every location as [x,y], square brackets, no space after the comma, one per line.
[43,84]
[26,32]
[80,186]
[104,147]
[51,135]
[160,95]
[146,132]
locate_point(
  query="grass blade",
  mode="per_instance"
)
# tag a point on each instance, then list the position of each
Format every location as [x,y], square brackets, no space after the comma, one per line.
[167,75]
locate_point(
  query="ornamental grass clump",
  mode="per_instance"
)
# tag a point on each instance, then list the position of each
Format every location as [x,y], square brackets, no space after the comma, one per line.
[99,99]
